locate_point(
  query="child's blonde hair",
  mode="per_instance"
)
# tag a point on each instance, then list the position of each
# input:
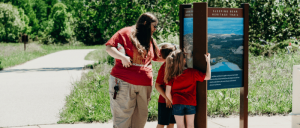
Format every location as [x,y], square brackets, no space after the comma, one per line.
[174,65]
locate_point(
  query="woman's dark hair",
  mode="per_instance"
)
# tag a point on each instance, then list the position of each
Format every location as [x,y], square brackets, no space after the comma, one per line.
[141,34]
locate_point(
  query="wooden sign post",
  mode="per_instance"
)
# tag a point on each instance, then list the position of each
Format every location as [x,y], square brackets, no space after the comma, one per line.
[223,32]
[25,40]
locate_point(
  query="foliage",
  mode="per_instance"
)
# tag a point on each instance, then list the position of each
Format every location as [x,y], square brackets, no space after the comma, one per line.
[10,23]
[24,17]
[40,9]
[59,19]
[94,21]
[267,50]
[50,4]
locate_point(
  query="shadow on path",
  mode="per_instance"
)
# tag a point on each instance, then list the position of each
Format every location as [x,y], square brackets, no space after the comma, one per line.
[42,69]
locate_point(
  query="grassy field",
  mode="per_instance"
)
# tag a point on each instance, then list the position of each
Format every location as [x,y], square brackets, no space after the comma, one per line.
[12,54]
[270,88]
[270,91]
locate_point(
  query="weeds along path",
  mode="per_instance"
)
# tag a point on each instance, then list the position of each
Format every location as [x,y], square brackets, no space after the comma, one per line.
[34,92]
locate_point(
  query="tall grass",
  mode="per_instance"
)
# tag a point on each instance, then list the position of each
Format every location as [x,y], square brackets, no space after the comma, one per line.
[270,90]
[89,99]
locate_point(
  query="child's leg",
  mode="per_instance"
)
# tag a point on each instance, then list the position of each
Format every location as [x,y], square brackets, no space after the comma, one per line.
[170,126]
[160,126]
[190,120]
[179,121]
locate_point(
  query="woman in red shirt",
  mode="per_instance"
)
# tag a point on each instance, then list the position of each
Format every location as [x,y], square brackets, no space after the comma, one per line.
[130,83]
[181,87]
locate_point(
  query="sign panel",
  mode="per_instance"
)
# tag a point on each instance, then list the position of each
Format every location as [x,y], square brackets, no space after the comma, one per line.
[225,28]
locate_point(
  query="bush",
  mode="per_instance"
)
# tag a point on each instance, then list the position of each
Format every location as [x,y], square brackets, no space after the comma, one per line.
[59,20]
[10,23]
[268,50]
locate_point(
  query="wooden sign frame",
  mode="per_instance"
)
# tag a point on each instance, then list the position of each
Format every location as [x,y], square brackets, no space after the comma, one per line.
[200,47]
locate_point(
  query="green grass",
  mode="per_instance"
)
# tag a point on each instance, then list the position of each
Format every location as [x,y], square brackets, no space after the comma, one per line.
[89,99]
[270,90]
[12,54]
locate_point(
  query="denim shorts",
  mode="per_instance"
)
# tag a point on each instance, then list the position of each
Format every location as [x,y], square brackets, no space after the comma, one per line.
[180,110]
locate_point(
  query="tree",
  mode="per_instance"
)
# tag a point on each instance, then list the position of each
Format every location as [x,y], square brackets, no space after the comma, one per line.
[23,16]
[40,9]
[26,5]
[10,23]
[50,4]
[59,19]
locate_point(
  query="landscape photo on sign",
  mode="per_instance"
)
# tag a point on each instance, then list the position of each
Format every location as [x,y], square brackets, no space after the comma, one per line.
[188,40]
[226,46]
[225,43]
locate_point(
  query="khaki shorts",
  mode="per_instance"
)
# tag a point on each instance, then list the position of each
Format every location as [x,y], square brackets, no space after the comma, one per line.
[130,108]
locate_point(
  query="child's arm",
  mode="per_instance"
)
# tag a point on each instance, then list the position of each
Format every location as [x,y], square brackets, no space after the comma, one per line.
[160,90]
[208,71]
[163,94]
[168,93]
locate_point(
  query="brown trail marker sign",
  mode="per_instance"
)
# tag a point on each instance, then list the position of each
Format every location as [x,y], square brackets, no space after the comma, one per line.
[222,32]
[25,40]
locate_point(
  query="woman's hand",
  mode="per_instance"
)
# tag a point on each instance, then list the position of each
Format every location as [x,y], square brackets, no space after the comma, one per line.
[126,61]
[168,103]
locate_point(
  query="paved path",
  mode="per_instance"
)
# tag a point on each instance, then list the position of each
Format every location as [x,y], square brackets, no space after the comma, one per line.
[232,122]
[34,92]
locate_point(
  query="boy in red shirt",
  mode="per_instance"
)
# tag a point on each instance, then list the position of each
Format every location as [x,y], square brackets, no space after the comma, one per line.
[181,89]
[165,116]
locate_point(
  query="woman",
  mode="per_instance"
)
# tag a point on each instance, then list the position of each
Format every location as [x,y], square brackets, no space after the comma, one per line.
[130,83]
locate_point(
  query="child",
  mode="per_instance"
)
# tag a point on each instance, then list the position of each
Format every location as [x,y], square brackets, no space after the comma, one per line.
[181,89]
[165,116]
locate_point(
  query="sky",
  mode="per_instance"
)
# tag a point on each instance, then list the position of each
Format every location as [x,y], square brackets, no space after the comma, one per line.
[218,26]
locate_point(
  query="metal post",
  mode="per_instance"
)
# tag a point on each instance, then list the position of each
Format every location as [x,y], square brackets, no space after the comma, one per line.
[296,96]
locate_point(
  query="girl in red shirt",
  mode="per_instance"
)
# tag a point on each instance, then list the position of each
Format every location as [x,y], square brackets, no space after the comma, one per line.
[181,89]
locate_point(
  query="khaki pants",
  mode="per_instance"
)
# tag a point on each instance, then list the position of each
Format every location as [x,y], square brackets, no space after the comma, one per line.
[130,108]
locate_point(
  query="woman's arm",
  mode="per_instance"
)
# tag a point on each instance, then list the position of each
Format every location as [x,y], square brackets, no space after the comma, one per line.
[112,51]
[168,93]
[208,71]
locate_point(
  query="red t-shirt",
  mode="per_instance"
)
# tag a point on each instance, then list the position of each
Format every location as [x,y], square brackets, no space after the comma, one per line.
[160,80]
[184,87]
[136,75]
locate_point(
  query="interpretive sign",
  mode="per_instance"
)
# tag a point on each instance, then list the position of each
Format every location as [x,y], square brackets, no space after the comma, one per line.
[222,32]
[225,44]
